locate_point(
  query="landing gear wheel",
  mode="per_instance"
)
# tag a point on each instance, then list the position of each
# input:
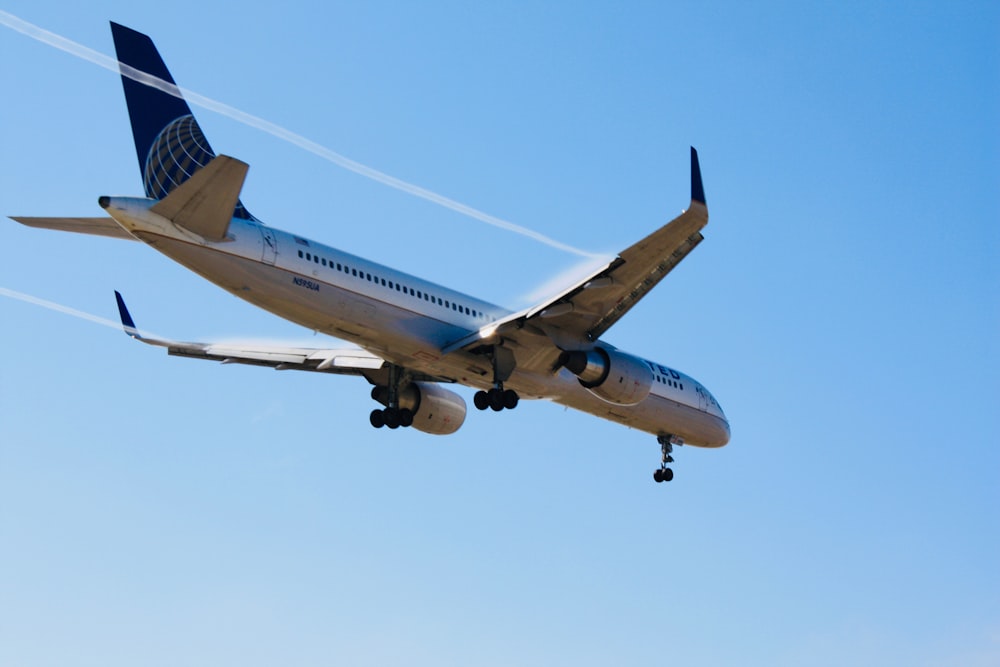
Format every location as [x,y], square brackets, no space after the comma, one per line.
[391,417]
[510,399]
[663,475]
[405,418]
[667,442]
[481,400]
[377,418]
[496,399]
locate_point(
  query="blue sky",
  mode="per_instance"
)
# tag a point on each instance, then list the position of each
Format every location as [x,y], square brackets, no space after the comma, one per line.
[843,308]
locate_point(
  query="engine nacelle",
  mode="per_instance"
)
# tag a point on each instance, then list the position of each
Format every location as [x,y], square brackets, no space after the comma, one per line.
[436,410]
[611,375]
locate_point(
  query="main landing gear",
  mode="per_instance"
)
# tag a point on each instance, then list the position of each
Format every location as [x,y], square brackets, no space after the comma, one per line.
[498,398]
[392,416]
[667,442]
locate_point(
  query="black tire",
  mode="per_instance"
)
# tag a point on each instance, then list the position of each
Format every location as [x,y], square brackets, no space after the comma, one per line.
[668,474]
[510,399]
[481,400]
[658,475]
[391,418]
[405,418]
[377,419]
[496,400]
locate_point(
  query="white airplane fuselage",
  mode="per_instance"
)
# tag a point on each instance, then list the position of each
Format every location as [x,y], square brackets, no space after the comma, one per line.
[404,319]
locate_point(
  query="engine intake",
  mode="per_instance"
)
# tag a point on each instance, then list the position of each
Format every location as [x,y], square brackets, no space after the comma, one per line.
[611,375]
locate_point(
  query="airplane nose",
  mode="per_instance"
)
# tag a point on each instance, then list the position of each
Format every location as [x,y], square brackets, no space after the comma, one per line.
[725,433]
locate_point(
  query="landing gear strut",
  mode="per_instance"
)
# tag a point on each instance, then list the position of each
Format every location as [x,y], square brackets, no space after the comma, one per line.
[498,398]
[667,442]
[392,415]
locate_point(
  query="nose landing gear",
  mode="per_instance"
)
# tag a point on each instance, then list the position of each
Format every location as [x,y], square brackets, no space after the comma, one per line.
[667,442]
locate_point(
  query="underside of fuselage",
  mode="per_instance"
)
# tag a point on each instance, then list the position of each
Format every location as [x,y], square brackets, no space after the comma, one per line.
[413,340]
[414,336]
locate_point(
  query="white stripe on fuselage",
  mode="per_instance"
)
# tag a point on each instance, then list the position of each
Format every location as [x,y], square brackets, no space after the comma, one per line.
[407,324]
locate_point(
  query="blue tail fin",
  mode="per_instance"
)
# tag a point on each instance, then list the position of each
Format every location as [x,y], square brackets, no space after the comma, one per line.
[168,141]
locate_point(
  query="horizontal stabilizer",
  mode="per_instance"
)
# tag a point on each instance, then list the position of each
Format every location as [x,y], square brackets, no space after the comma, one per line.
[204,203]
[95,226]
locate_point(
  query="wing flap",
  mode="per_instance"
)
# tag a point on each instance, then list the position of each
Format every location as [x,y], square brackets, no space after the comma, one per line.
[348,361]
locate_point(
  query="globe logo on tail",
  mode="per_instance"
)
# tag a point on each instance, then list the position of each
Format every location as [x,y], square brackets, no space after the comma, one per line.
[176,154]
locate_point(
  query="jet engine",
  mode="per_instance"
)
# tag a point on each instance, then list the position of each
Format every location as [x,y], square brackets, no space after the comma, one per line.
[611,375]
[435,410]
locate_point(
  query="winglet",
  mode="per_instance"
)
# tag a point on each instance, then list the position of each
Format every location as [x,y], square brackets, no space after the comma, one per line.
[127,322]
[697,189]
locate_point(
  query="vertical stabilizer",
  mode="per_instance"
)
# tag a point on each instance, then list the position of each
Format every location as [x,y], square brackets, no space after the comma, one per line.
[169,143]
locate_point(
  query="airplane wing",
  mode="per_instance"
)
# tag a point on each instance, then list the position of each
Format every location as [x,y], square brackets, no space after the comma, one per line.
[96,226]
[343,361]
[582,313]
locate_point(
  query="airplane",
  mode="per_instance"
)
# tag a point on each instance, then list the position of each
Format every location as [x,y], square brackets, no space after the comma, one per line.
[413,337]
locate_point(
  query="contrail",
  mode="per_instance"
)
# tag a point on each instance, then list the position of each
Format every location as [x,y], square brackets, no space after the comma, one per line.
[113,324]
[66,310]
[113,65]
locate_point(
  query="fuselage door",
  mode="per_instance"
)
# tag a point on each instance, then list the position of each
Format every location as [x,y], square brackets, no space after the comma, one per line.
[270,243]
[702,398]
